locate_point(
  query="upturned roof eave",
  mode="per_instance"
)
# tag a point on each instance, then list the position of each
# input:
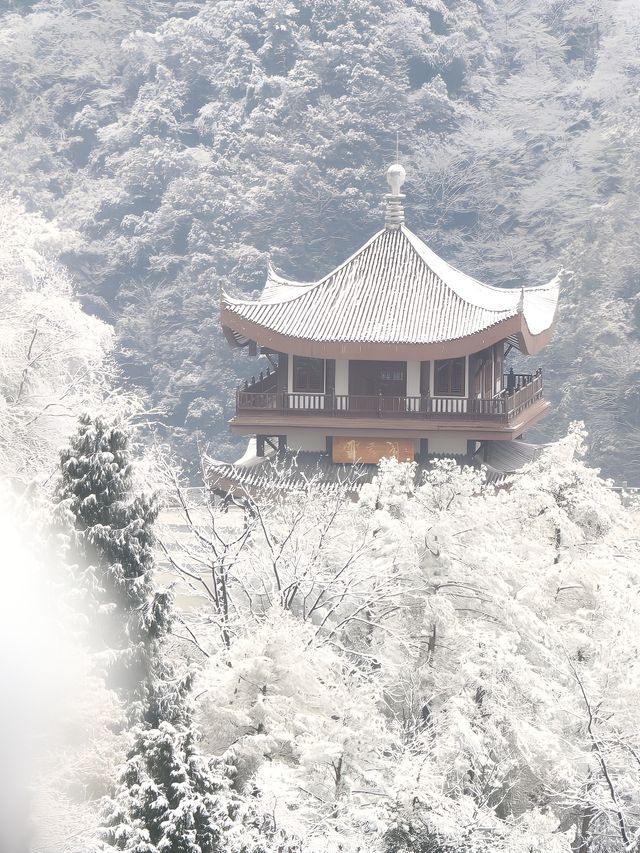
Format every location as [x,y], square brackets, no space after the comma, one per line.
[278,316]
[305,286]
[464,286]
[516,325]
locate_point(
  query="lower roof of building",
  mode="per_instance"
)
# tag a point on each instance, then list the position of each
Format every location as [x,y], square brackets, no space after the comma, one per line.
[302,470]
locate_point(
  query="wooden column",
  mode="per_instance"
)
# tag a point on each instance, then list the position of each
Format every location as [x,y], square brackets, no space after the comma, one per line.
[283,372]
[330,376]
[425,378]
[498,364]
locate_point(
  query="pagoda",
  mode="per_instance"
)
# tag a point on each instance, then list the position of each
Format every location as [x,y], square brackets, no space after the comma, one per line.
[393,353]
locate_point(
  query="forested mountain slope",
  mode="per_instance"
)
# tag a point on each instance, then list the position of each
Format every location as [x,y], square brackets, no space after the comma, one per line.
[186,143]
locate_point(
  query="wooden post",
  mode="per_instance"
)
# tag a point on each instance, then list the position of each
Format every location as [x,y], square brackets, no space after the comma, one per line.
[283,371]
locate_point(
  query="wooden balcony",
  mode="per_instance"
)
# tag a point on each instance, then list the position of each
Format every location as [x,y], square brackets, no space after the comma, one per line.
[525,390]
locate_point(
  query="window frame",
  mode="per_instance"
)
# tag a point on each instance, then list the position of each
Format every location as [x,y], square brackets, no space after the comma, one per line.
[450,364]
[308,365]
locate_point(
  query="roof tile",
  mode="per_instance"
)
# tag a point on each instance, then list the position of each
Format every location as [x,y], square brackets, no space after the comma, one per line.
[393,290]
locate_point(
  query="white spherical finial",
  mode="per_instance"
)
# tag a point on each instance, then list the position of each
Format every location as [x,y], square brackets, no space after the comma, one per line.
[395,178]
[394,216]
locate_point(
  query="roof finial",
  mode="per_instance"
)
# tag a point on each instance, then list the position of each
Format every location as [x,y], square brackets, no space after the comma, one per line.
[394,215]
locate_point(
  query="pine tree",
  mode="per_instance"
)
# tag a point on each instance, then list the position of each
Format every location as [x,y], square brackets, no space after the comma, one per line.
[111,538]
[167,798]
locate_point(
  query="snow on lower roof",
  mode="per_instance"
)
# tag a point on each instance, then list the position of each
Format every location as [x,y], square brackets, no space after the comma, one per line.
[300,470]
[394,290]
[509,456]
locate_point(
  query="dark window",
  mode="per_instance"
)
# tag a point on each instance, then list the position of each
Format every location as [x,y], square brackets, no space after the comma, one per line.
[394,375]
[308,374]
[368,378]
[449,377]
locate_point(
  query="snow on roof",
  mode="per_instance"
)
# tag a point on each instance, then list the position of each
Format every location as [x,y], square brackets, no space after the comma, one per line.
[299,470]
[509,456]
[394,290]
[279,289]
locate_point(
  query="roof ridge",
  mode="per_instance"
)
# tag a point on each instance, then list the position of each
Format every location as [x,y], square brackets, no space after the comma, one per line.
[533,288]
[274,275]
[307,287]
[418,249]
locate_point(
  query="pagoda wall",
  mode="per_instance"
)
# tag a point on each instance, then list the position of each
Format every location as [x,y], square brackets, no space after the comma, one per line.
[307,439]
[315,441]
[413,379]
[342,375]
[447,443]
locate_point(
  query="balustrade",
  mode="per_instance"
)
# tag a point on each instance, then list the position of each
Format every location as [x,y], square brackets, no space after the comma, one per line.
[527,389]
[265,382]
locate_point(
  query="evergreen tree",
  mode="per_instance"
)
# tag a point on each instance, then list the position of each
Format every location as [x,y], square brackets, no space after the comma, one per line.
[111,538]
[169,800]
[166,798]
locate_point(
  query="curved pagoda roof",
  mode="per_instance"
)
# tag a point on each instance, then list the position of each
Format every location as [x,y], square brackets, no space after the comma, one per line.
[393,298]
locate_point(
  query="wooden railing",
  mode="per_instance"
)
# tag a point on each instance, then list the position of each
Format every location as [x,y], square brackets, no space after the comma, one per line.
[266,382]
[514,381]
[502,407]
[524,395]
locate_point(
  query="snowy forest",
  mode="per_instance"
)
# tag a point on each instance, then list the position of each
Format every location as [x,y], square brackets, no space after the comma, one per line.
[440,666]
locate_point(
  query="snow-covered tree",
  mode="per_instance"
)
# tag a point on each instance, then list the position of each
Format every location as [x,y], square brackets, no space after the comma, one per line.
[304,728]
[459,660]
[168,799]
[110,526]
[53,356]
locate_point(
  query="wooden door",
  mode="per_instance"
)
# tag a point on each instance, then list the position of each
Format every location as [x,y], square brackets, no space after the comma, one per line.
[377,385]
[481,370]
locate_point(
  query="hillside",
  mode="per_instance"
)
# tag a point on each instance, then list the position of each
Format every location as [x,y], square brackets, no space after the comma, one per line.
[181,145]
